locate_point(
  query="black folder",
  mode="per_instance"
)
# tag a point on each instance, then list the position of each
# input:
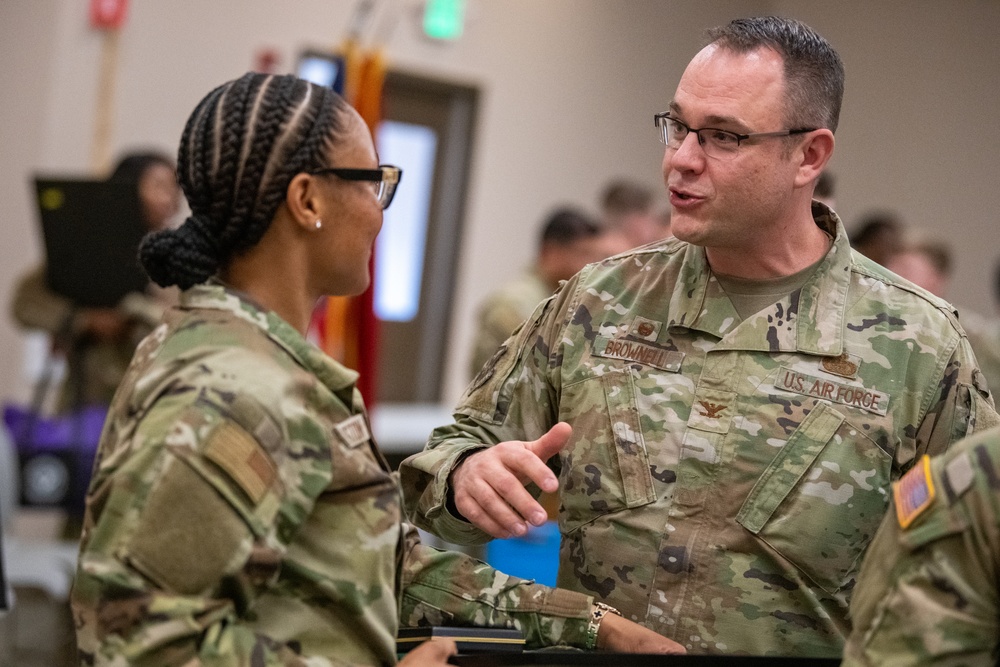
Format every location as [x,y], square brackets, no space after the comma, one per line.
[468,640]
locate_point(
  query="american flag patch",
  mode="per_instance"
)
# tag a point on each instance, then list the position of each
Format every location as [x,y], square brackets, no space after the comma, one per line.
[914,492]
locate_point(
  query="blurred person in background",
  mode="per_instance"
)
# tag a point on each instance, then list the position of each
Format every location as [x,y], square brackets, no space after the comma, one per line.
[877,235]
[927,263]
[98,342]
[630,210]
[924,262]
[569,240]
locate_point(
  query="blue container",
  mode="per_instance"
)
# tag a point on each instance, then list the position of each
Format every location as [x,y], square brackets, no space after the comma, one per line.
[533,556]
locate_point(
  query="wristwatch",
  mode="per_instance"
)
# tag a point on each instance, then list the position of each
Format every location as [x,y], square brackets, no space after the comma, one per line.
[597,614]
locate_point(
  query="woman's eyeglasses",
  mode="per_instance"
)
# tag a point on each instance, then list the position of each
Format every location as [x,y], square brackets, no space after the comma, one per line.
[386,176]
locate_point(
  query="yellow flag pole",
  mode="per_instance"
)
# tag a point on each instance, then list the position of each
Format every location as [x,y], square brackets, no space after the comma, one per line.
[100,157]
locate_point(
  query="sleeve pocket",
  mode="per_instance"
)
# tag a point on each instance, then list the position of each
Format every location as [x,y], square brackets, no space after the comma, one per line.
[487,398]
[188,536]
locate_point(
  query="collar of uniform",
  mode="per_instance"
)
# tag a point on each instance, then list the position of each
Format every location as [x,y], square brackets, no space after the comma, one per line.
[822,314]
[700,303]
[213,295]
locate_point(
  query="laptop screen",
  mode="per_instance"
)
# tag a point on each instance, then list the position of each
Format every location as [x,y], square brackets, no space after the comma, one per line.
[92,231]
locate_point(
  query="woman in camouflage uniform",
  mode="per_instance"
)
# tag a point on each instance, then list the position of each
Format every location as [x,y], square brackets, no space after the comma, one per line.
[240,512]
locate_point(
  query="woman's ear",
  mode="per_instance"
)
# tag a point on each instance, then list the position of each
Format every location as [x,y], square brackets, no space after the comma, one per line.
[303,200]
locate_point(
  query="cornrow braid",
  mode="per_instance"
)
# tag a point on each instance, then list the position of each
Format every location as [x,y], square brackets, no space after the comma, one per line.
[241,147]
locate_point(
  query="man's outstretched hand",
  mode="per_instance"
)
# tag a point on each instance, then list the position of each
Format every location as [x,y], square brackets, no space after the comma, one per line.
[488,486]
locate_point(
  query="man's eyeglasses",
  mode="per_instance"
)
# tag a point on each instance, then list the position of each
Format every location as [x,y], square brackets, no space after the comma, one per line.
[386,176]
[718,144]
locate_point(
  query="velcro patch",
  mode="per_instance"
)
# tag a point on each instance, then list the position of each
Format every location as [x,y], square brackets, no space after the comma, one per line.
[960,474]
[643,353]
[645,329]
[353,431]
[863,398]
[242,457]
[846,365]
[914,493]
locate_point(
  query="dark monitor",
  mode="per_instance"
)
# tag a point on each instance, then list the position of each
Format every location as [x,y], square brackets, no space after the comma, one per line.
[92,231]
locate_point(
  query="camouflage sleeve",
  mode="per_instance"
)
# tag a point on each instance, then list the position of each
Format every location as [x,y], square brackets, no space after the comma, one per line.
[927,592]
[179,543]
[451,588]
[961,405]
[512,398]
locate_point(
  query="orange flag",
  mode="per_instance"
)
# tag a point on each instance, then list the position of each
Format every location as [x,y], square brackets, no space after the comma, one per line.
[347,327]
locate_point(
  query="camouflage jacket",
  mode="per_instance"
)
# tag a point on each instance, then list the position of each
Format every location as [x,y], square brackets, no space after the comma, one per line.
[241,514]
[929,591]
[984,336]
[724,476]
[502,312]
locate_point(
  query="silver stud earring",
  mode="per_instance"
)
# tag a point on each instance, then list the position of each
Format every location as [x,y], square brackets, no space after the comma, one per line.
[319,224]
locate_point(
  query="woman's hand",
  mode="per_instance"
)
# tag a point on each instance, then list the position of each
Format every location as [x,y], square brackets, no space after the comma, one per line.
[432,653]
[623,636]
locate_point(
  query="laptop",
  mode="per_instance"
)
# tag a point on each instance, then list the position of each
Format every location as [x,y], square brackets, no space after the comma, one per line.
[92,231]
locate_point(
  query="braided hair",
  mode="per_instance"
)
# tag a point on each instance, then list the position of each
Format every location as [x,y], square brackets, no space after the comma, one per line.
[240,149]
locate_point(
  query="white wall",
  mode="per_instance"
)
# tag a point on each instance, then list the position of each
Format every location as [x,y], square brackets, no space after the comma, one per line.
[568,91]
[916,132]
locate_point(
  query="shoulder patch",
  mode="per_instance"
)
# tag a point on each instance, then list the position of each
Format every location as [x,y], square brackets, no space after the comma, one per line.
[914,492]
[243,458]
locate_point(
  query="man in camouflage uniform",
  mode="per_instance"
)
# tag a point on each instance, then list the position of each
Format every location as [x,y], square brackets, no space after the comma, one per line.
[928,591]
[240,513]
[740,397]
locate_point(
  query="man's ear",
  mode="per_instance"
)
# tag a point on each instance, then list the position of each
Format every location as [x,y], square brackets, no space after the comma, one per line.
[815,152]
[303,200]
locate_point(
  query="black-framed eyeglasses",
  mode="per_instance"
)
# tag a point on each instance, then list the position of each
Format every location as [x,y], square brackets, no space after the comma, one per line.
[386,176]
[718,144]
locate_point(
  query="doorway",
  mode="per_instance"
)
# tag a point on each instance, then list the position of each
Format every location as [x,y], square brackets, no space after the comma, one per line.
[428,131]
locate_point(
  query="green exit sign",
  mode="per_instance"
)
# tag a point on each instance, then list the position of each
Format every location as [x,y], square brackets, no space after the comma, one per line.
[443,19]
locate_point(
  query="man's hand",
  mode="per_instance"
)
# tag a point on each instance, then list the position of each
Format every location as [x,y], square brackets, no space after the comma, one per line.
[489,485]
[430,654]
[104,324]
[623,636]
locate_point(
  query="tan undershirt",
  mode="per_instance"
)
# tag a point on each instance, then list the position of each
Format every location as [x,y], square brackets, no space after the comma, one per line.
[750,296]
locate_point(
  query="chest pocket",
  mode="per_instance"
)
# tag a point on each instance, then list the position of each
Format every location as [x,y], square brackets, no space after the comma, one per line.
[607,467]
[821,499]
